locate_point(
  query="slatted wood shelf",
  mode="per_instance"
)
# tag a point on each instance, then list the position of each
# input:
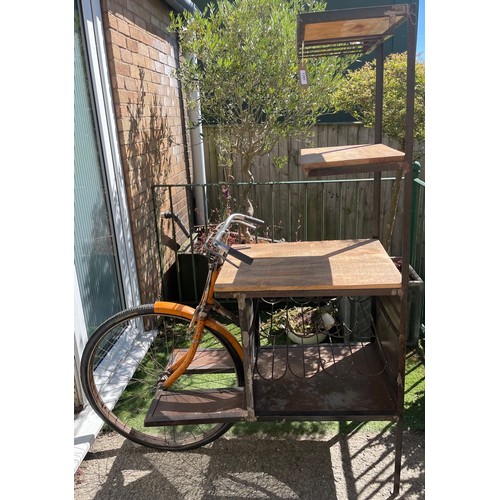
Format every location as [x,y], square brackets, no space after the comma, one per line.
[358,158]
[347,31]
[196,407]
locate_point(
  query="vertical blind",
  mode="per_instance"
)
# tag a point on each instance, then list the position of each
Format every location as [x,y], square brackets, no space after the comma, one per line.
[95,256]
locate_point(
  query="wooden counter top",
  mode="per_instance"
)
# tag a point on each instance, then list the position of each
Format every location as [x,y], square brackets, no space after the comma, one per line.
[341,267]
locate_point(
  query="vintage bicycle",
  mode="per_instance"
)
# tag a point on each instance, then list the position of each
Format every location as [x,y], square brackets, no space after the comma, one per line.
[144,369]
[172,377]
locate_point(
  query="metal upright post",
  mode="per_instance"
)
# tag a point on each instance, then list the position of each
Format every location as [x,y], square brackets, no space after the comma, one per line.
[379,95]
[246,315]
[377,176]
[405,269]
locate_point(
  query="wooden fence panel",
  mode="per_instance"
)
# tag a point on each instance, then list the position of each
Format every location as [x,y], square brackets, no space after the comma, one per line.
[319,211]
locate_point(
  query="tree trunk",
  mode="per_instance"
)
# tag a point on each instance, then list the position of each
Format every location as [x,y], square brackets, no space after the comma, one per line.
[226,192]
[248,177]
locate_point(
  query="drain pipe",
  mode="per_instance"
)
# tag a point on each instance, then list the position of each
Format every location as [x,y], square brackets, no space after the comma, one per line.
[199,172]
[196,134]
[182,5]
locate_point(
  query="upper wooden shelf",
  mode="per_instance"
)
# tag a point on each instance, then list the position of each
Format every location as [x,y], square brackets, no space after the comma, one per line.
[305,268]
[347,31]
[355,158]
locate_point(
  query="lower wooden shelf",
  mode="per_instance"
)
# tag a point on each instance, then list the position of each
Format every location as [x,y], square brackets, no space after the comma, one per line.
[196,407]
[322,383]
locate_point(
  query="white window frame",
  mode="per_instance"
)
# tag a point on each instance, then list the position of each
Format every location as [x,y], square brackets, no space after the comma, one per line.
[87,424]
[94,34]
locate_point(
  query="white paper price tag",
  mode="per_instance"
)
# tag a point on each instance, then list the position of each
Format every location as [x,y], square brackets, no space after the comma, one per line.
[303,75]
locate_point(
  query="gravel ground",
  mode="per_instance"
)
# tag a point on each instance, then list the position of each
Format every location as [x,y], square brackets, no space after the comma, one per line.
[355,467]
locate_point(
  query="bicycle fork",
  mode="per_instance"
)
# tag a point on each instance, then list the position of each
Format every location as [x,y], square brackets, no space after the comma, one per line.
[198,321]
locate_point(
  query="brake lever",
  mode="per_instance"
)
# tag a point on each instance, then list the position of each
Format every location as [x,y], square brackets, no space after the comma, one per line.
[230,262]
[246,224]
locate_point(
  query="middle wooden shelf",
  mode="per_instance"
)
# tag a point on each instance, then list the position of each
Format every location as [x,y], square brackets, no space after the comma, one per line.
[351,159]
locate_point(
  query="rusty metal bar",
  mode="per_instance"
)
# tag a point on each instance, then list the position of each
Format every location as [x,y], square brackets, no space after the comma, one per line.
[343,40]
[332,53]
[379,93]
[410,81]
[246,315]
[408,186]
[359,169]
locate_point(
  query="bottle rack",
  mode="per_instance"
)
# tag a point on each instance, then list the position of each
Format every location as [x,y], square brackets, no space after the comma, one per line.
[310,372]
[302,337]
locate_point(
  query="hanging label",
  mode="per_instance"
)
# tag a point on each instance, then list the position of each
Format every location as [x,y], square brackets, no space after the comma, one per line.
[303,75]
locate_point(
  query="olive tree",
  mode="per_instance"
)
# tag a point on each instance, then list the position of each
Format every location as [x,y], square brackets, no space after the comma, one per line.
[246,75]
[356,95]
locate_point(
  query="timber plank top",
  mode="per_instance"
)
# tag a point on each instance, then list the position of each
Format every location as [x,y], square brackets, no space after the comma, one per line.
[326,161]
[347,31]
[292,269]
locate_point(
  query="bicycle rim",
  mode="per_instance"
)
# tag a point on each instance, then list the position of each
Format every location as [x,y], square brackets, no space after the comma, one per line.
[123,365]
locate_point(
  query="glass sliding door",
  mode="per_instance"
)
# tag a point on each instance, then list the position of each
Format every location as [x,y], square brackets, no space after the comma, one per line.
[95,249]
[105,275]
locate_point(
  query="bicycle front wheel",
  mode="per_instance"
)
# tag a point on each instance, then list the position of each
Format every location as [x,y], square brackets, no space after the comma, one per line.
[126,360]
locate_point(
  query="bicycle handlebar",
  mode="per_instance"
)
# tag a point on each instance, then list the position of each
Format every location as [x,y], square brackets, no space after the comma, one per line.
[244,219]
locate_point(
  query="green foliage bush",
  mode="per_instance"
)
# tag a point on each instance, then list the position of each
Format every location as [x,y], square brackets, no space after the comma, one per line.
[356,95]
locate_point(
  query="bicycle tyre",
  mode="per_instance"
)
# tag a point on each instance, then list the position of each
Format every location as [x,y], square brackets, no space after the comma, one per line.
[136,345]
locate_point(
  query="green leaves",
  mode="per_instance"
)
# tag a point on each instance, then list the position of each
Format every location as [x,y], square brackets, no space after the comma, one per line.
[356,95]
[247,75]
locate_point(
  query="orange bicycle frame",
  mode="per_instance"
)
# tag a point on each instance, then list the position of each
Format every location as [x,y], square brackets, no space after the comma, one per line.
[199,319]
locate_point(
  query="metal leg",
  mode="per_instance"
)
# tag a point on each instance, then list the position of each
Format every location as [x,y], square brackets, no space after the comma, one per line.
[247,336]
[398,457]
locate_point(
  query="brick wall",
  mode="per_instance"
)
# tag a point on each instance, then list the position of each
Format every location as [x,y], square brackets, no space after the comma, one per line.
[142,55]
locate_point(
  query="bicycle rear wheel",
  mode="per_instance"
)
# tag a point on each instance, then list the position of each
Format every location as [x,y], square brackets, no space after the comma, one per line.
[124,363]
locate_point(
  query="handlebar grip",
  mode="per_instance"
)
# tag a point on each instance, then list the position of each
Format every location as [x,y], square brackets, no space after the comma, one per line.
[240,256]
[254,220]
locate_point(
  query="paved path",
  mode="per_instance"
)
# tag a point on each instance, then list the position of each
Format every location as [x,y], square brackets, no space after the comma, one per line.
[354,467]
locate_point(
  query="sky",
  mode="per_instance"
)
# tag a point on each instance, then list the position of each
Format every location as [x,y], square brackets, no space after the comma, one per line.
[421,30]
